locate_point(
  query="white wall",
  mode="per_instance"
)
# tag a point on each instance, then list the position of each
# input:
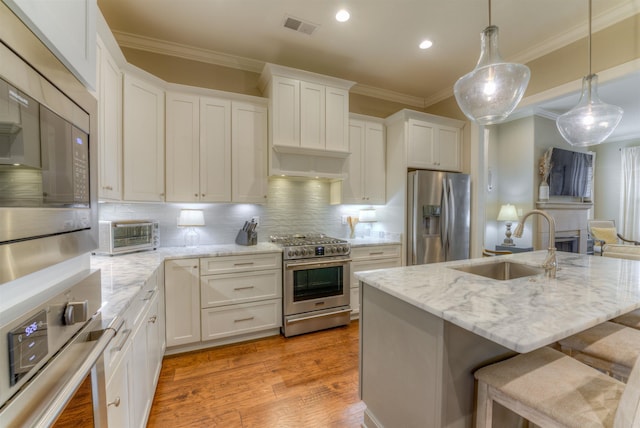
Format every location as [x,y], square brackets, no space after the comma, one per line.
[294,206]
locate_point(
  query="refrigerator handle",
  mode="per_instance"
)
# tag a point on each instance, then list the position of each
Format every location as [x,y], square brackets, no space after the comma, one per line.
[444,225]
[451,218]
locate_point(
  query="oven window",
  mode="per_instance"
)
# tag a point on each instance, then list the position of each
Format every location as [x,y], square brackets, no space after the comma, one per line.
[317,283]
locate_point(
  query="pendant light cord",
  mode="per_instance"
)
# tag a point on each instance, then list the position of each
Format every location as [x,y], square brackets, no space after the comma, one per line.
[589,38]
[490,13]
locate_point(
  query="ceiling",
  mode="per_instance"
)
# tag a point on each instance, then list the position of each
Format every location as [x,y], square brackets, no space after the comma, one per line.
[377,47]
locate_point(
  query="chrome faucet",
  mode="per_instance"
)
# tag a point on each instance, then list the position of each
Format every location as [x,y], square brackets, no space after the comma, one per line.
[550,263]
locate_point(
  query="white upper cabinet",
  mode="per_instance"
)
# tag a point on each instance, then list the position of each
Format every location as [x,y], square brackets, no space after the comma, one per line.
[433,146]
[67,28]
[309,112]
[198,148]
[109,125]
[249,153]
[215,148]
[366,176]
[143,140]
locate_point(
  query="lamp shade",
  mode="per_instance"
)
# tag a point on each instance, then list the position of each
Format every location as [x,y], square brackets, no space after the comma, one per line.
[367,215]
[490,92]
[591,121]
[190,218]
[508,213]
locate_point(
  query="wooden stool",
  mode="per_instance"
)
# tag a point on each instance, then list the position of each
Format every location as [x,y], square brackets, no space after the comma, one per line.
[609,347]
[552,389]
[631,319]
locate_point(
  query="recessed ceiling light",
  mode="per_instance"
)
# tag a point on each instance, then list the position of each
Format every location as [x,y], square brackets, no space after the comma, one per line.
[425,44]
[342,15]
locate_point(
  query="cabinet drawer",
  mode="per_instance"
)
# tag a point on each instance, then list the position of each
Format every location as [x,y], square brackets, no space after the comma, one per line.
[375,252]
[225,289]
[243,318]
[228,264]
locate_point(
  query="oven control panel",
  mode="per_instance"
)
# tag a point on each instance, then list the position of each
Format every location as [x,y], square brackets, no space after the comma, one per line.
[28,345]
[313,251]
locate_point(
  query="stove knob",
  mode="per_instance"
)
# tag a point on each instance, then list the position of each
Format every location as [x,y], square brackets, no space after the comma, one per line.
[343,249]
[297,252]
[290,253]
[304,251]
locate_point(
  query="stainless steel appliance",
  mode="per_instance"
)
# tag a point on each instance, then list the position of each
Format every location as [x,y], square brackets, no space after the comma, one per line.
[49,344]
[48,202]
[128,236]
[315,278]
[438,216]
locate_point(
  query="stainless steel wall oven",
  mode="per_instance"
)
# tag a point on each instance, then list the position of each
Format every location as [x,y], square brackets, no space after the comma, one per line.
[316,271]
[48,202]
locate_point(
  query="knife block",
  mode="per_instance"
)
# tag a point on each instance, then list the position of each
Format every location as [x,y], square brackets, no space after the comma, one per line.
[246,238]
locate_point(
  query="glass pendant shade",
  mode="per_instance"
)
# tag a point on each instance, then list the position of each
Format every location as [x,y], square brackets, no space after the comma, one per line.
[591,121]
[490,92]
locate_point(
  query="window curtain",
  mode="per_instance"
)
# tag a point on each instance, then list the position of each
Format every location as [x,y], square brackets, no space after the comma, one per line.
[630,195]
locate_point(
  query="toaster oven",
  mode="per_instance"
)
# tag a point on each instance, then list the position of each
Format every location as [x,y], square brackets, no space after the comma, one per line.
[127,236]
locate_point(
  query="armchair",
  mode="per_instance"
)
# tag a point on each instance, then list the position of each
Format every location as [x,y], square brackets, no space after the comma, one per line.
[604,233]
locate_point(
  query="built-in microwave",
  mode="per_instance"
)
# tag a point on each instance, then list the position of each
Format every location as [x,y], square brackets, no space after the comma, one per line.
[48,179]
[128,236]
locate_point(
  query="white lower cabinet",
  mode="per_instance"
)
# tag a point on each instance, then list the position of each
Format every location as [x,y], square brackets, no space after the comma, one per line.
[224,299]
[118,393]
[370,258]
[182,297]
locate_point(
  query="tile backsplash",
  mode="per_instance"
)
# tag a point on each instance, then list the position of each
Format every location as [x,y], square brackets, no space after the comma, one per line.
[294,206]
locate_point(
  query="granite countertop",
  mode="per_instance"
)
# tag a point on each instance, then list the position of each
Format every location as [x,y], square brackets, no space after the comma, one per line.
[521,314]
[123,276]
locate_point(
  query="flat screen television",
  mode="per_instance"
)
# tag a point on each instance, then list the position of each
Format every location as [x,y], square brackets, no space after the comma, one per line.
[571,173]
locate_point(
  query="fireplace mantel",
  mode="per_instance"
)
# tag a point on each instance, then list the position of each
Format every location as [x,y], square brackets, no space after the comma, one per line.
[562,205]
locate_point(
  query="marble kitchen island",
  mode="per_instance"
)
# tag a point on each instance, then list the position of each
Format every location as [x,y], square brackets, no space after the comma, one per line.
[425,329]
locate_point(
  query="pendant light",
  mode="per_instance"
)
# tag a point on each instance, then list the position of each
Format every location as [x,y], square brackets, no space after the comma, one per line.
[490,92]
[591,121]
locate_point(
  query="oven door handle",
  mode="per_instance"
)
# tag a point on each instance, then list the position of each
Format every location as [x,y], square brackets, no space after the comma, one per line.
[322,315]
[317,264]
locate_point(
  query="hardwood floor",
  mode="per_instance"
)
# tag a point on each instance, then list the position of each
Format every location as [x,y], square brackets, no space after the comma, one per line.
[303,381]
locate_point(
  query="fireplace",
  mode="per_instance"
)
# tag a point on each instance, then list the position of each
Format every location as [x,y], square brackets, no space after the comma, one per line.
[571,226]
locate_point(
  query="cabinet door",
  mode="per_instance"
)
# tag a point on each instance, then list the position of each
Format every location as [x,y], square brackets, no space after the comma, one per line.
[420,145]
[118,392]
[140,392]
[285,121]
[215,150]
[109,126]
[337,119]
[448,148]
[182,148]
[182,301]
[143,140]
[373,165]
[248,153]
[312,116]
[154,343]
[352,186]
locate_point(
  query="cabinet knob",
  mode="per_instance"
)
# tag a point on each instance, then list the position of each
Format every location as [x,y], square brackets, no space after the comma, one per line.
[153,319]
[203,195]
[196,195]
[115,403]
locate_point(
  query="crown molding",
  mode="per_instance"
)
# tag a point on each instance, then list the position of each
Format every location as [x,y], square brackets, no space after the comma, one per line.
[385,94]
[163,47]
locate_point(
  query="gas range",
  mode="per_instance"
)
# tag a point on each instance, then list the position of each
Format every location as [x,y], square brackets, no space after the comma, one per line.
[314,245]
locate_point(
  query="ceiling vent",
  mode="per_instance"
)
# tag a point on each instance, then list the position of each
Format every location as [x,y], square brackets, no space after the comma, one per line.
[299,25]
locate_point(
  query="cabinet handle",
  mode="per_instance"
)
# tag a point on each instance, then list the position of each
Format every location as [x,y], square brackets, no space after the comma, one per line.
[153,319]
[376,253]
[243,288]
[244,319]
[196,195]
[115,402]
[119,346]
[243,264]
[150,294]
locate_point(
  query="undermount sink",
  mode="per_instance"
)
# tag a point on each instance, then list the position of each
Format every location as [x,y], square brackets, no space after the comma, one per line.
[502,270]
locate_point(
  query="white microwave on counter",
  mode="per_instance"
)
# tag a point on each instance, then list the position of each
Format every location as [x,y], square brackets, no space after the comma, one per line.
[127,236]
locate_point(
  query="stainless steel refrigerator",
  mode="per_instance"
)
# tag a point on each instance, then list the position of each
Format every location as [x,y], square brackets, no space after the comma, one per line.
[438,216]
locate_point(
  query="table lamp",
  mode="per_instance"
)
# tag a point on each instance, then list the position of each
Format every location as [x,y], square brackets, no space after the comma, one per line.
[509,214]
[191,219]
